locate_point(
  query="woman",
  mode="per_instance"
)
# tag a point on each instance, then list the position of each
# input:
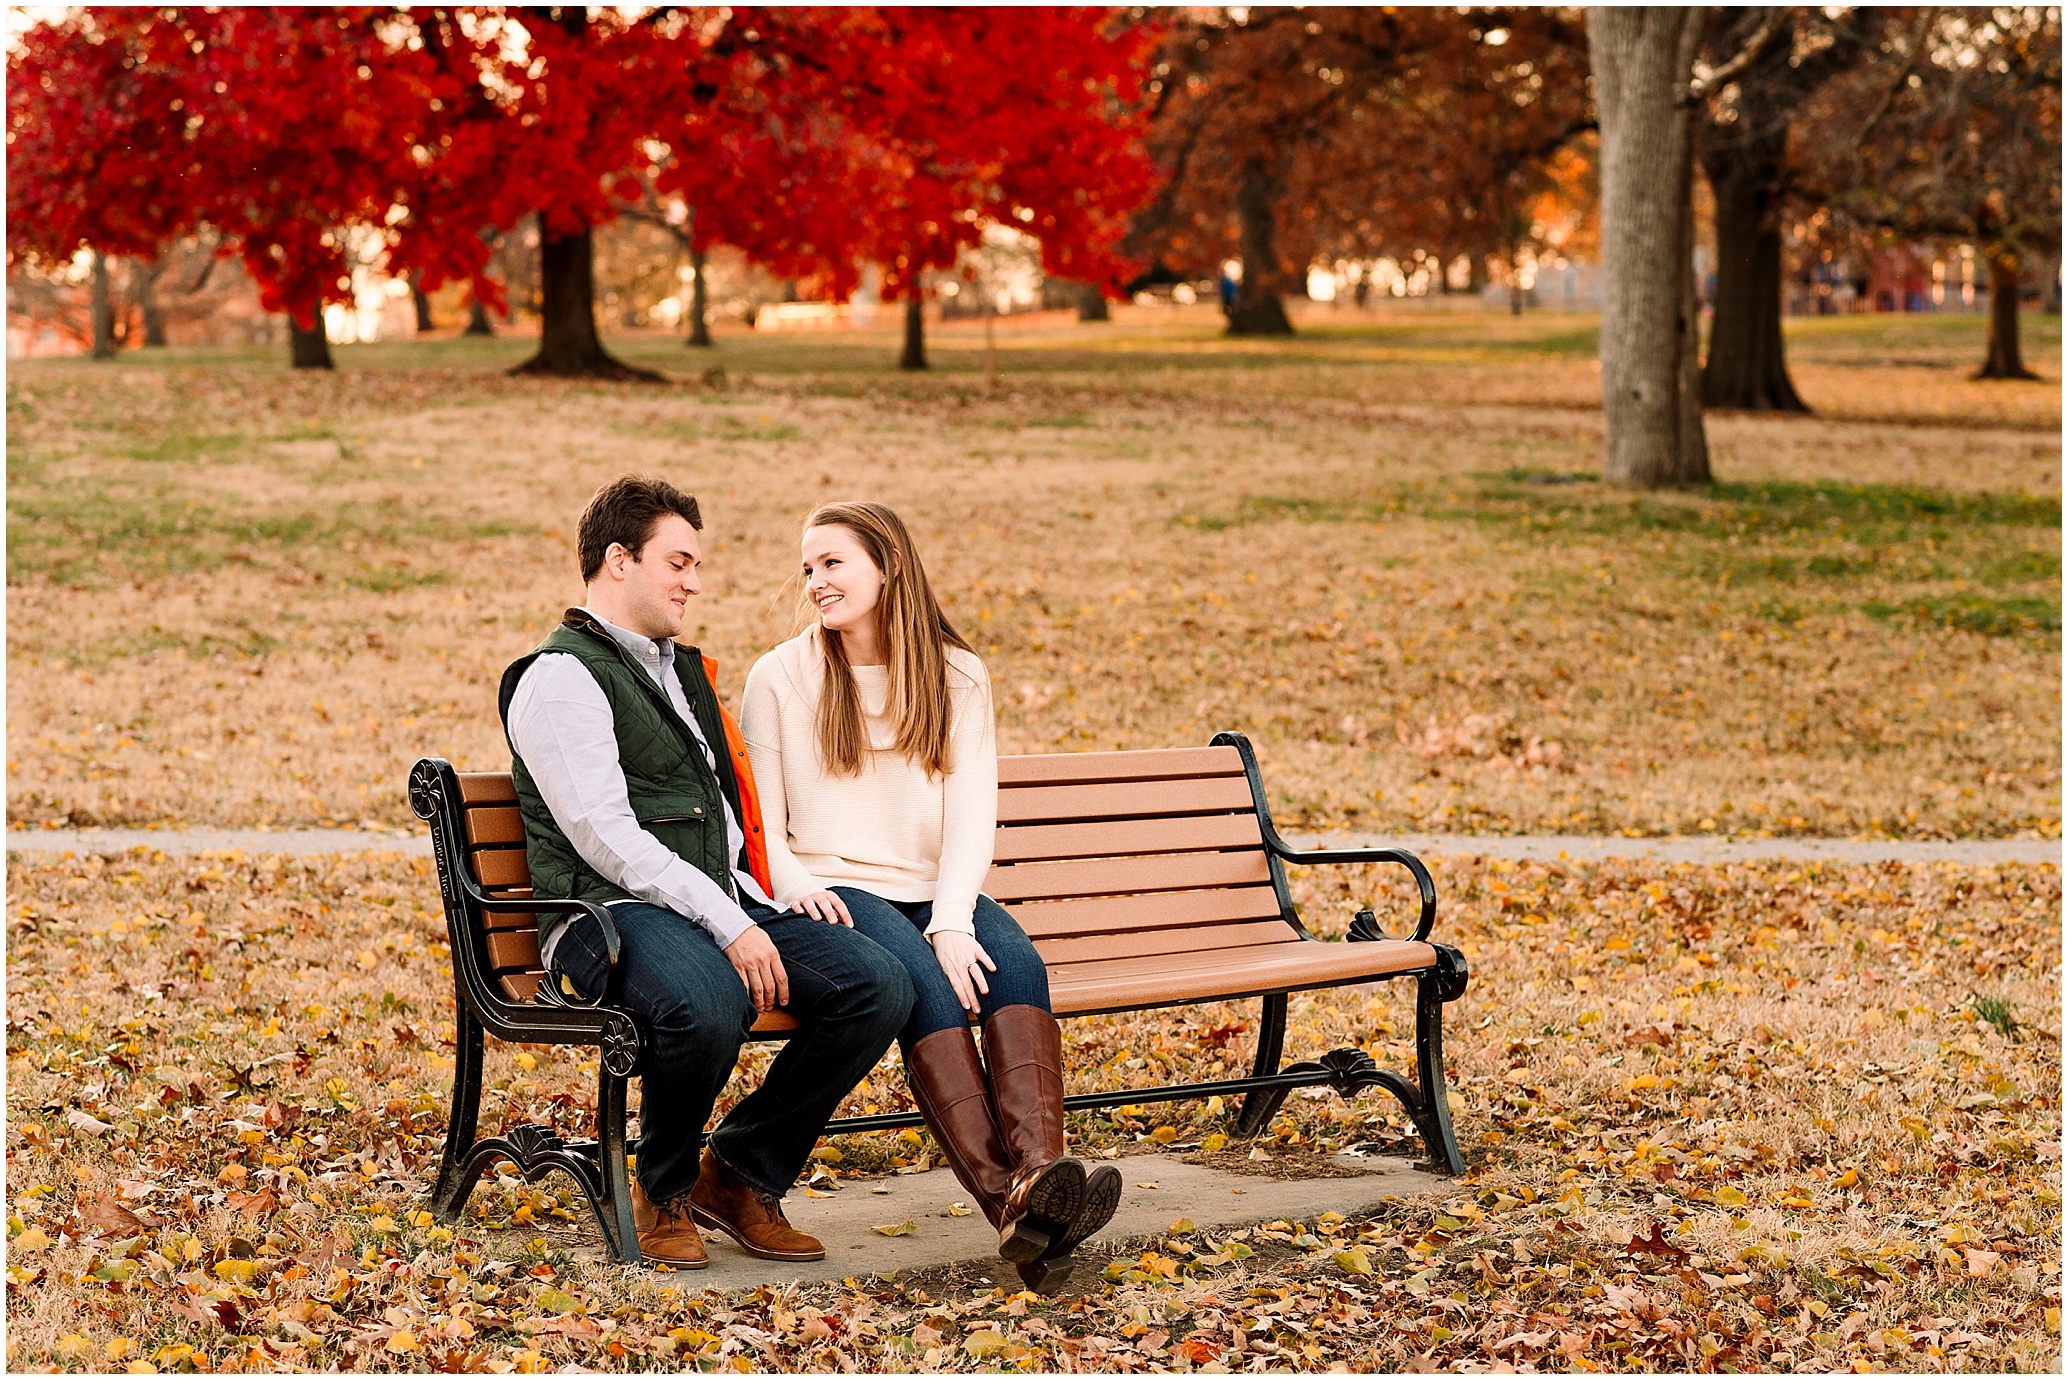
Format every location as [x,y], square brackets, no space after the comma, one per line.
[872,741]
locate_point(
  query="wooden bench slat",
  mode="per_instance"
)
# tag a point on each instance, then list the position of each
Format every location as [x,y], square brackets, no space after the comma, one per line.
[512,949]
[1122,837]
[1072,768]
[1175,979]
[486,788]
[1121,876]
[519,987]
[1145,943]
[1153,911]
[1124,799]
[495,868]
[494,824]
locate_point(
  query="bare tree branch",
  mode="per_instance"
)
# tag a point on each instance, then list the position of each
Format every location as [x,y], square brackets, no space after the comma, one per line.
[1888,97]
[1745,57]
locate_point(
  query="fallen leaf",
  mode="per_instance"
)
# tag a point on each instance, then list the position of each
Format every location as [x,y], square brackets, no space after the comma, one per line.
[1980,1263]
[904,1228]
[558,1301]
[1655,1244]
[959,1209]
[1214,1143]
[81,1121]
[106,1217]
[982,1343]
[1148,1185]
[1184,1226]
[1353,1261]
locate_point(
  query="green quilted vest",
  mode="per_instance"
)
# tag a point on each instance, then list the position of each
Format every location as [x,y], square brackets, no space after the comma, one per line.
[674,793]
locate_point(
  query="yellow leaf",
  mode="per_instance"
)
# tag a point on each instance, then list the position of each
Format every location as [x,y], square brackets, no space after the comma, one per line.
[1214,1143]
[526,1060]
[141,1367]
[986,1342]
[1730,1197]
[34,1239]
[904,1228]
[238,1271]
[1353,1261]
[405,1340]
[71,1344]
[959,1209]
[1164,1135]
[828,1154]
[1848,1179]
[382,1223]
[1184,1226]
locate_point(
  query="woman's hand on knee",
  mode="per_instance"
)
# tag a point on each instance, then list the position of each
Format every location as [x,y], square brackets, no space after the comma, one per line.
[826,906]
[964,961]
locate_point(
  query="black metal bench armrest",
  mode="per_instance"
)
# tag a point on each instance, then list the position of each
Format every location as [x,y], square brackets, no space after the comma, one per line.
[1413,864]
[600,913]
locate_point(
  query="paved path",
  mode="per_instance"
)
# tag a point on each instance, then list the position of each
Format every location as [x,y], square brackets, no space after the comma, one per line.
[1540,847]
[846,1220]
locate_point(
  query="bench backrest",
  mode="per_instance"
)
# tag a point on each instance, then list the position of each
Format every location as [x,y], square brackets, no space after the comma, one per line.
[1099,856]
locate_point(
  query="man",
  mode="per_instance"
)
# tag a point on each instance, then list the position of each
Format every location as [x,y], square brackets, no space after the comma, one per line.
[635,791]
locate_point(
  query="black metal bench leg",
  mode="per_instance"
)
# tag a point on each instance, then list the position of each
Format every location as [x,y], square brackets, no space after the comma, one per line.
[1257,1107]
[614,1208]
[460,1171]
[1432,1118]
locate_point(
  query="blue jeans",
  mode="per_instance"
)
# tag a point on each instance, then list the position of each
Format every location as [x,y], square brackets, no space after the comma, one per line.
[899,926]
[694,1014]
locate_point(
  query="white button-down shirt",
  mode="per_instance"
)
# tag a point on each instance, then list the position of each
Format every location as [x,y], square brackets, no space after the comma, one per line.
[561,725]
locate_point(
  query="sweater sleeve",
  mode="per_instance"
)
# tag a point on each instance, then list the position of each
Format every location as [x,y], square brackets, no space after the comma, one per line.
[761,724]
[969,809]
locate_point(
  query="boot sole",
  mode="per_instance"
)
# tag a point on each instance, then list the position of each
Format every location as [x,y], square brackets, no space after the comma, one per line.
[706,1219]
[1101,1201]
[652,1259]
[1054,1200]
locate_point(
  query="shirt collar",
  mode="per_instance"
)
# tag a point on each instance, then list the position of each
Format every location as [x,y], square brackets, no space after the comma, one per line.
[647,649]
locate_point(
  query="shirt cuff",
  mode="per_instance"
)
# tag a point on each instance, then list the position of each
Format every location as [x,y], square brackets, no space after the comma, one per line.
[727,925]
[961,923]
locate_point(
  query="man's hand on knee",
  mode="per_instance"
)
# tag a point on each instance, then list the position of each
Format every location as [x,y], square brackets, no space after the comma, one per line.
[755,958]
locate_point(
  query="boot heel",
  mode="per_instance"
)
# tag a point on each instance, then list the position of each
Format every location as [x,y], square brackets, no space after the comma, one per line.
[1023,1242]
[1046,1276]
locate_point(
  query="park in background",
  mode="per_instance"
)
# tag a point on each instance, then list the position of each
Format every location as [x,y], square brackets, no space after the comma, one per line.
[827,146]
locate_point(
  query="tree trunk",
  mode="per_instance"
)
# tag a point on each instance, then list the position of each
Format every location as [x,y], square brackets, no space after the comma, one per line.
[1091,303]
[1257,310]
[1747,364]
[1650,326]
[103,306]
[477,320]
[310,348]
[569,346]
[699,302]
[422,302]
[2005,361]
[914,356]
[147,302]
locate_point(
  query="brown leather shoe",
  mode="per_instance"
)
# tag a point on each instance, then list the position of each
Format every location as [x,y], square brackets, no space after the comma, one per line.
[667,1236]
[948,1084]
[728,1203]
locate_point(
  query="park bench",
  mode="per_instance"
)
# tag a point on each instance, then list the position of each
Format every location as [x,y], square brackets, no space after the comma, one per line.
[1146,879]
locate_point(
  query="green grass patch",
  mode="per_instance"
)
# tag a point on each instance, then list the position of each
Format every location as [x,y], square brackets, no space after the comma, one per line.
[1974,613]
[85,531]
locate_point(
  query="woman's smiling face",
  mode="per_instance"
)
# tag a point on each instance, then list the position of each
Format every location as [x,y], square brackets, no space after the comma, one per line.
[841,581]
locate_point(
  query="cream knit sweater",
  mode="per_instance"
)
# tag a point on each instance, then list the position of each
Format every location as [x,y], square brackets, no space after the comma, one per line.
[892,831]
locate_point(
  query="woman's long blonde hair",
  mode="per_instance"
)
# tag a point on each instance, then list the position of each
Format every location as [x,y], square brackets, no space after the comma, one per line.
[916,636]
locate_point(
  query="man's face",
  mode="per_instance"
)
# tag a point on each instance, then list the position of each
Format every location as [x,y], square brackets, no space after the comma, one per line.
[658,585]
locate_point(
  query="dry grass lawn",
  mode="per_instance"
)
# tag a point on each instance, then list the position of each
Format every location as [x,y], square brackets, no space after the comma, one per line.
[1755,1117]
[244,597]
[1759,1117]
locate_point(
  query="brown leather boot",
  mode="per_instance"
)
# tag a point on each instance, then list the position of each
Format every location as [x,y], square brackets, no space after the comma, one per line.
[725,1201]
[1023,1053]
[666,1234]
[948,1084]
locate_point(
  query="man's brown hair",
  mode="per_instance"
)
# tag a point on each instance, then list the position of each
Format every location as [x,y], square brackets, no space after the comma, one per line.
[624,513]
